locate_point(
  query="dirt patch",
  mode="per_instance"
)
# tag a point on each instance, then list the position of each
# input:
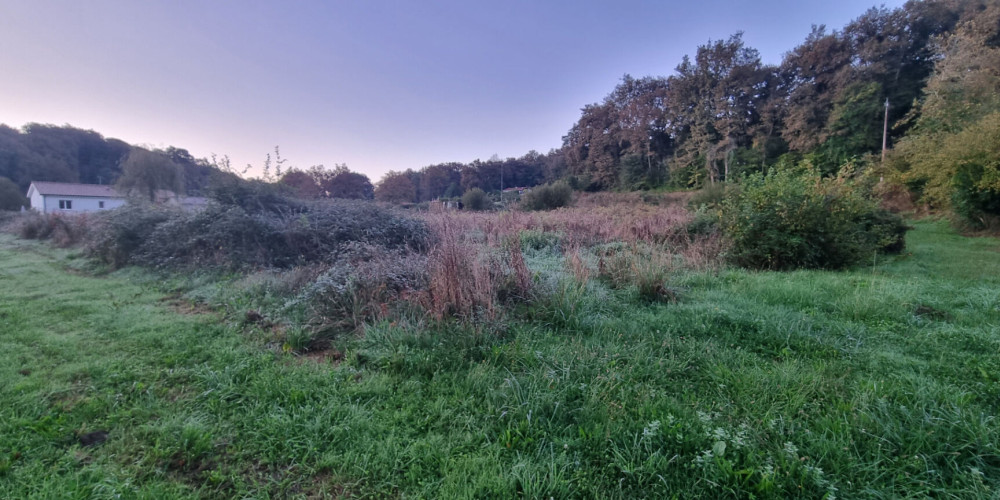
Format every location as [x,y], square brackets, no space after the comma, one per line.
[324,485]
[326,356]
[93,438]
[181,305]
[931,313]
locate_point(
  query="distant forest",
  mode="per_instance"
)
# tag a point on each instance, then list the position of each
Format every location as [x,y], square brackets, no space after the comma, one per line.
[722,113]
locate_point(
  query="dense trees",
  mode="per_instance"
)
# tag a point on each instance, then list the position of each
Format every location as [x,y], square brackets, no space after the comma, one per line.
[396,187]
[60,154]
[951,159]
[451,180]
[318,182]
[721,114]
[11,196]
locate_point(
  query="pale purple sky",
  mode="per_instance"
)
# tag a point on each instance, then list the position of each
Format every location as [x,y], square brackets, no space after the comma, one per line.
[378,85]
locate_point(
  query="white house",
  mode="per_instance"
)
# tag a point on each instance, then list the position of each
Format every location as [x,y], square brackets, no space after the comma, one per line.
[64,197]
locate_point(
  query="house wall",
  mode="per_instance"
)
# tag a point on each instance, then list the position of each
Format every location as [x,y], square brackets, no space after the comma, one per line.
[37,200]
[49,204]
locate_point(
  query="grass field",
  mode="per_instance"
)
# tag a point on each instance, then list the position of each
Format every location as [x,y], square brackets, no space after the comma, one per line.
[881,382]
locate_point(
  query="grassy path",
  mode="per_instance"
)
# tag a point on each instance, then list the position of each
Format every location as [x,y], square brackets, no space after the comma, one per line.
[879,383]
[80,355]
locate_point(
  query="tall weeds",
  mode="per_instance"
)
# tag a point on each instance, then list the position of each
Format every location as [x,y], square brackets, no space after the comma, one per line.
[473,276]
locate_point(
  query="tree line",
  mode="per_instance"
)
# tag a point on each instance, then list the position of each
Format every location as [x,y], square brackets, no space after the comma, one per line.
[721,114]
[451,180]
[724,112]
[929,69]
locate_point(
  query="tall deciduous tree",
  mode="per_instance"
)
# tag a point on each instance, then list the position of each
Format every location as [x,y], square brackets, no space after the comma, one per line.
[714,104]
[303,184]
[396,187]
[145,172]
[341,182]
[440,180]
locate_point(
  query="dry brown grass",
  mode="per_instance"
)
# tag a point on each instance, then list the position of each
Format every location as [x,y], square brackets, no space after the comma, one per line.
[584,225]
[476,265]
[596,219]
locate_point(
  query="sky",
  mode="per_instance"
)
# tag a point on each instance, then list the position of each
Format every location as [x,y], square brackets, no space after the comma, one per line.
[377,85]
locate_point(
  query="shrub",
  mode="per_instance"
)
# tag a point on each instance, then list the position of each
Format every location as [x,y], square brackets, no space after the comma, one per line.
[233,237]
[886,230]
[121,232]
[475,199]
[361,286]
[62,230]
[548,197]
[646,267]
[704,222]
[709,196]
[11,197]
[788,220]
[253,196]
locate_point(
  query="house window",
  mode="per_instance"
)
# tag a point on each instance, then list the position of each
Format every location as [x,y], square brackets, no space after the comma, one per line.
[65,204]
[100,204]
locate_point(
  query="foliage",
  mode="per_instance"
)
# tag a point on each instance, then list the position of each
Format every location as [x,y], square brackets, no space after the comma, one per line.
[788,220]
[62,230]
[39,152]
[475,199]
[359,287]
[396,187]
[547,197]
[11,197]
[231,237]
[121,233]
[146,173]
[710,196]
[253,196]
[318,182]
[951,160]
[759,384]
[345,184]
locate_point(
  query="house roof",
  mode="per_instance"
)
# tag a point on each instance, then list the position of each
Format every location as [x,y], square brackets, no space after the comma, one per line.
[69,189]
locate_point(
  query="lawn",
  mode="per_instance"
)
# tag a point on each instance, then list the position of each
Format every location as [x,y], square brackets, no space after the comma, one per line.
[880,382]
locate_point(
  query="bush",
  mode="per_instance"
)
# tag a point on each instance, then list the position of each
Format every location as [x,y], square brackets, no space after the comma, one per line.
[709,196]
[121,232]
[233,237]
[475,199]
[61,230]
[548,197]
[646,267]
[361,286]
[11,197]
[788,220]
[704,222]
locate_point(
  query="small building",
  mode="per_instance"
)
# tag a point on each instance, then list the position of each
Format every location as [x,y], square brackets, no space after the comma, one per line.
[65,197]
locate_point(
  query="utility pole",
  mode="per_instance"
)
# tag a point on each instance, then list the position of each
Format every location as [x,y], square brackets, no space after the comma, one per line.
[497,159]
[885,129]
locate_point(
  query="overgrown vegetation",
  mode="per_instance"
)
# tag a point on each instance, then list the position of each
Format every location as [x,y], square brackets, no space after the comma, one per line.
[600,350]
[548,197]
[475,199]
[951,160]
[236,238]
[731,384]
[789,220]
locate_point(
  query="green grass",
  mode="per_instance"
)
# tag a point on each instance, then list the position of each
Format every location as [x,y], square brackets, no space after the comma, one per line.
[881,382]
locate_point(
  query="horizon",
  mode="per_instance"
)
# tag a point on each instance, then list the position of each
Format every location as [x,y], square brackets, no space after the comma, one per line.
[377,86]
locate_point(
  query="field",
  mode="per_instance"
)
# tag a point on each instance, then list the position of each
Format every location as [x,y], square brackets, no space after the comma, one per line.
[878,382]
